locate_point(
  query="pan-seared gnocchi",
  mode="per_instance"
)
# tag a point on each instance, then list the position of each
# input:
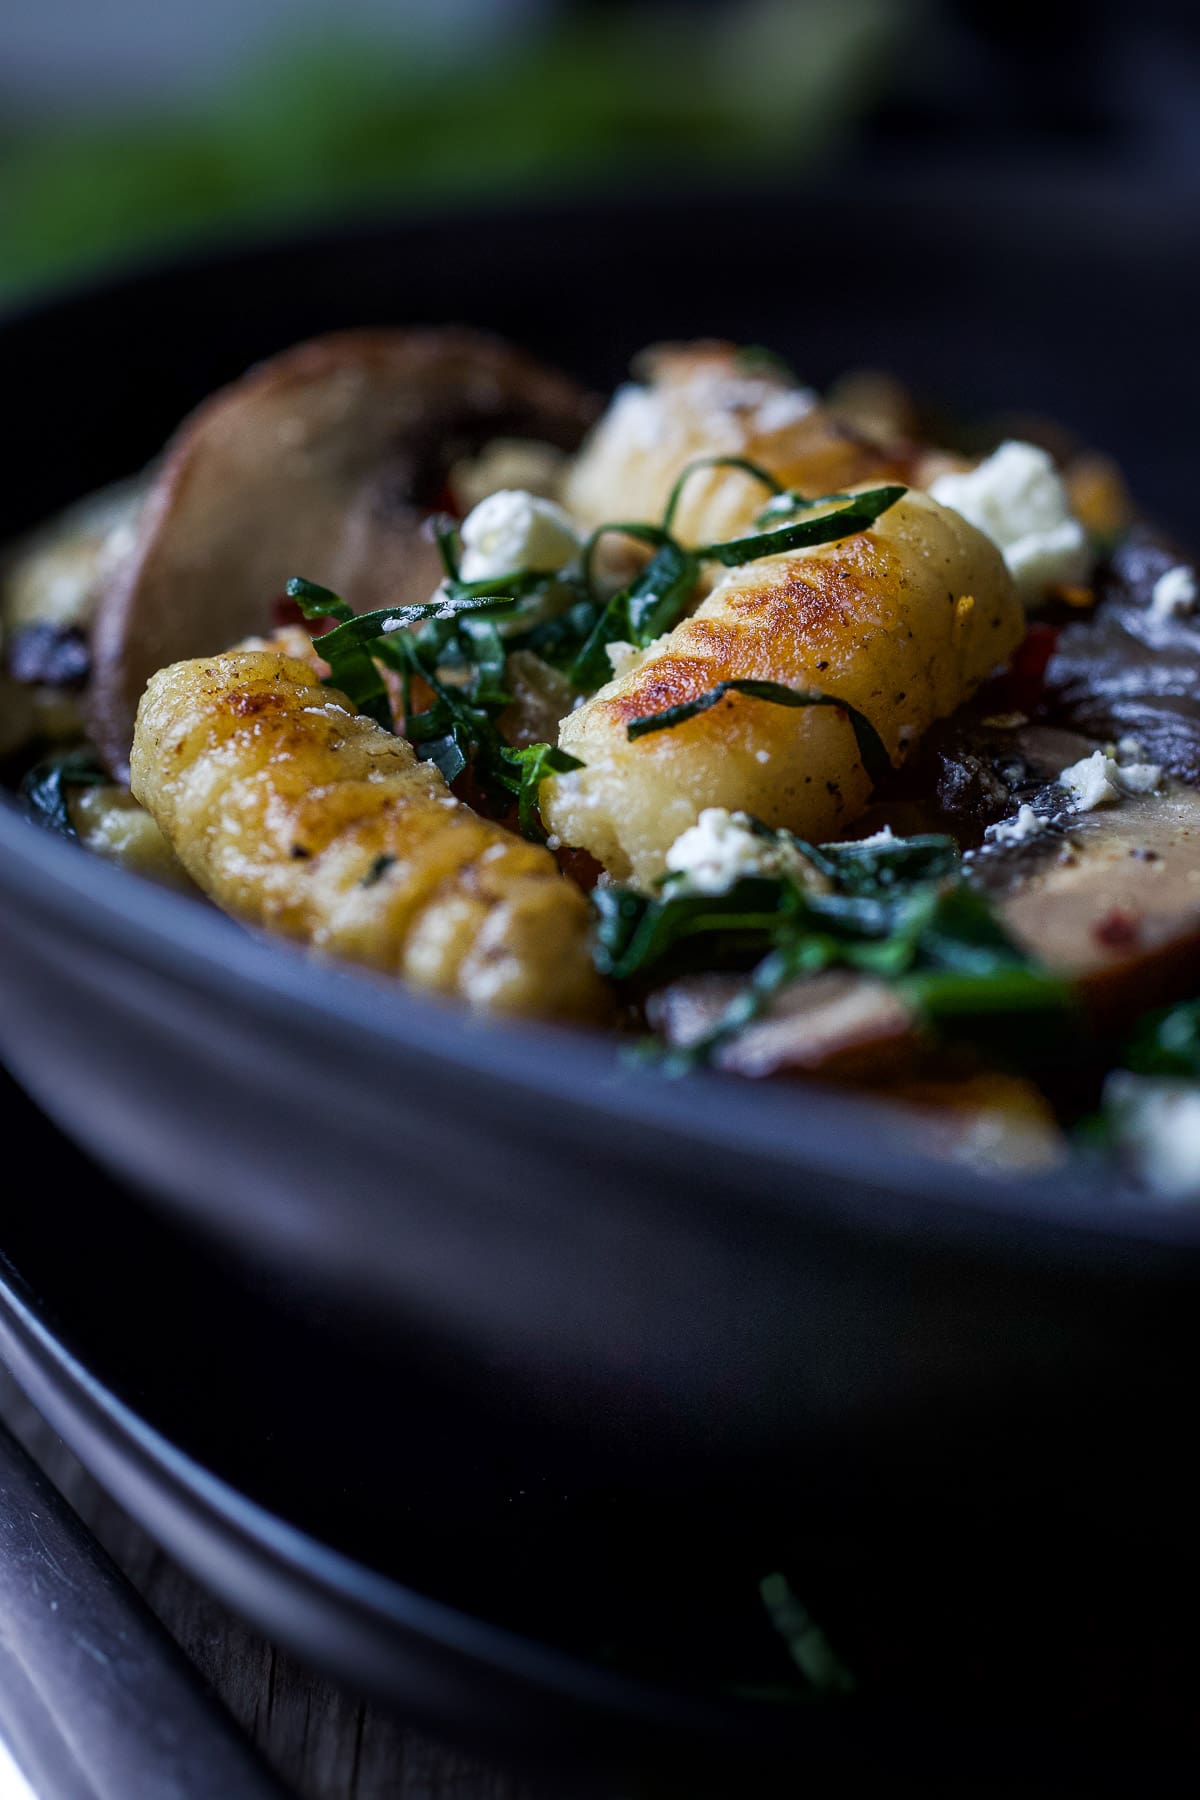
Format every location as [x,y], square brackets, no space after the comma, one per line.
[296,812]
[902,622]
[713,714]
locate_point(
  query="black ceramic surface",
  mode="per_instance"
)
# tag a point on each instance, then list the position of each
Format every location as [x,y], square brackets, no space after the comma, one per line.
[423,1542]
[693,1271]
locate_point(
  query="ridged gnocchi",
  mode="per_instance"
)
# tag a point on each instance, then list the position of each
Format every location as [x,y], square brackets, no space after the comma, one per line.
[902,622]
[704,400]
[295,812]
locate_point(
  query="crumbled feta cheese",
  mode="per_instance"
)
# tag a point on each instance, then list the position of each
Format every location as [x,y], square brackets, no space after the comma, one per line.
[721,848]
[1138,778]
[1158,1125]
[1027,824]
[732,408]
[1090,782]
[1017,497]
[885,835]
[1130,749]
[621,656]
[1100,780]
[1173,593]
[784,408]
[513,530]
[715,852]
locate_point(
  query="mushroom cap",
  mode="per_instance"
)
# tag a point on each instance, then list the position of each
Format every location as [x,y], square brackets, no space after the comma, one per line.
[324,462]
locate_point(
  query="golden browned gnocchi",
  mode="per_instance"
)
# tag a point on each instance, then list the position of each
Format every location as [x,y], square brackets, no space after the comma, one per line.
[355,772]
[703,400]
[902,622]
[295,812]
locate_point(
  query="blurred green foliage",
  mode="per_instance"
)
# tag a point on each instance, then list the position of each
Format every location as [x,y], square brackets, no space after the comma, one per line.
[339,126]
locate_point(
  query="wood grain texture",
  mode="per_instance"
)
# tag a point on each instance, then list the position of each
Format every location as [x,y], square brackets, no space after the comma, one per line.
[326,1743]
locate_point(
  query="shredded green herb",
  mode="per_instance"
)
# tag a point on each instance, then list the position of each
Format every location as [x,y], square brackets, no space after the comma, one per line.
[377,870]
[757,359]
[453,645]
[457,731]
[862,511]
[717,462]
[807,1644]
[898,908]
[1167,1042]
[871,749]
[46,788]
[652,603]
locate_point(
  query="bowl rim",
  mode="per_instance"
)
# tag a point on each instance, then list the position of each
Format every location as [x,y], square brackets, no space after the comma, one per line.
[873,1180]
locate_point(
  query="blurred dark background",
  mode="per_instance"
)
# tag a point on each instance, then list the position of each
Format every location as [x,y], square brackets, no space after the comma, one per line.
[132,125]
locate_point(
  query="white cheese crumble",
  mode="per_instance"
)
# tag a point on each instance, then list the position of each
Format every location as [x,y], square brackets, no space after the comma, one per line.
[1027,824]
[721,848]
[1017,497]
[1090,782]
[733,408]
[1139,777]
[513,529]
[1101,780]
[885,835]
[621,656]
[1158,1124]
[1173,593]
[781,410]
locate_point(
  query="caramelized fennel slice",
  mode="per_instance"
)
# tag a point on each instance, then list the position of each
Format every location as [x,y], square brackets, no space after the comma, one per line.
[321,462]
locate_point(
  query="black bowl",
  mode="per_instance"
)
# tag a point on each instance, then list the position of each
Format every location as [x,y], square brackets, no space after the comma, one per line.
[693,1270]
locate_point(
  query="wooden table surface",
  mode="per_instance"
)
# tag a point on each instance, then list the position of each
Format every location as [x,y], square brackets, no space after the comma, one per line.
[325,1743]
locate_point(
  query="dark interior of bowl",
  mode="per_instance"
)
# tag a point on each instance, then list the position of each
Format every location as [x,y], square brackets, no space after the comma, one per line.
[1068,299]
[841,1351]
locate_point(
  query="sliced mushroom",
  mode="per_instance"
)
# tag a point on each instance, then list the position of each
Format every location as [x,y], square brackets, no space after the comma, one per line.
[1131,669]
[1110,899]
[322,462]
[838,1024]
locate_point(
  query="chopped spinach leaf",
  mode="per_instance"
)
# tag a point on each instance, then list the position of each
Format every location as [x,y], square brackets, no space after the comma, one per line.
[788,501]
[716,462]
[757,359]
[807,1644]
[528,769]
[377,870]
[45,790]
[1167,1042]
[361,629]
[898,909]
[317,602]
[651,604]
[862,511]
[875,759]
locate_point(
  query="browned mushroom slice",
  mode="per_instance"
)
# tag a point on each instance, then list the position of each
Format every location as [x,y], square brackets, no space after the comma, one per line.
[1133,668]
[1109,898]
[838,1024]
[322,462]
